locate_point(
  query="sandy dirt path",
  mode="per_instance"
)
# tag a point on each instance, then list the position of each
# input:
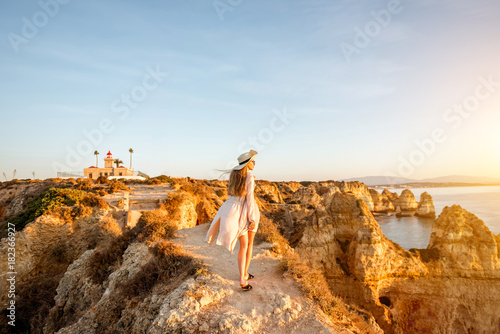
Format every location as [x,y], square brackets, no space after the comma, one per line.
[269,285]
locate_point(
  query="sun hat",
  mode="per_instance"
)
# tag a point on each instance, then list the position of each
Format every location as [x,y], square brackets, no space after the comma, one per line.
[244,159]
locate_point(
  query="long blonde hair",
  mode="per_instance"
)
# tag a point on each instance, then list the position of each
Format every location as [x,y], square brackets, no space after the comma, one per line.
[236,184]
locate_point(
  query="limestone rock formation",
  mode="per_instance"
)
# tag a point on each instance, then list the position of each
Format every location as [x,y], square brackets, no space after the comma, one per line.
[343,240]
[38,241]
[343,230]
[359,189]
[14,196]
[325,189]
[204,303]
[78,299]
[391,196]
[426,207]
[195,203]
[269,191]
[305,196]
[381,203]
[464,243]
[407,204]
[288,188]
[185,212]
[452,286]
[461,292]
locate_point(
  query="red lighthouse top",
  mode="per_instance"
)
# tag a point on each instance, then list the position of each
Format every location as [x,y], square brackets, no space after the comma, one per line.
[109,154]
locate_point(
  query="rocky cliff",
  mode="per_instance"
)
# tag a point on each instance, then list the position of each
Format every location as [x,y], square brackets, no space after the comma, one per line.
[97,275]
[91,273]
[452,286]
[360,190]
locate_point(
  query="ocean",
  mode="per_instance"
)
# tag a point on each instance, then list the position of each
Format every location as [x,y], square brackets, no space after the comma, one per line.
[413,232]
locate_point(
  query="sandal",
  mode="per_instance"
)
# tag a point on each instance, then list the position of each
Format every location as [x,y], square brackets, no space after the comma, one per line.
[250,276]
[247,287]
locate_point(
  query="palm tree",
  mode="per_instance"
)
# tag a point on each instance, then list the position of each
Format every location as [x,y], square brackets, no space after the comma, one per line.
[117,162]
[96,153]
[131,151]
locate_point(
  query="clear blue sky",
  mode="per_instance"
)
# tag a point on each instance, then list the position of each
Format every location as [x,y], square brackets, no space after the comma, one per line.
[358,89]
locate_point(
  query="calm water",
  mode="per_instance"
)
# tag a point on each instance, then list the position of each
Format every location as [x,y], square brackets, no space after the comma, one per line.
[412,232]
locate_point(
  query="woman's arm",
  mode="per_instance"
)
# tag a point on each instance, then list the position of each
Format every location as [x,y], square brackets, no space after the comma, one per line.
[253,210]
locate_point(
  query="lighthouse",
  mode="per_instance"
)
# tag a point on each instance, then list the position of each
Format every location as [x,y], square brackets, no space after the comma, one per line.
[108,161]
[93,172]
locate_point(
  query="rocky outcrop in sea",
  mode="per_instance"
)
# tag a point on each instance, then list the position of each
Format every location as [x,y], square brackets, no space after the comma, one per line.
[451,286]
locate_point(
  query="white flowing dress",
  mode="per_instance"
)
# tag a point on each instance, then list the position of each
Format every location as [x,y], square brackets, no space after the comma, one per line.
[235,215]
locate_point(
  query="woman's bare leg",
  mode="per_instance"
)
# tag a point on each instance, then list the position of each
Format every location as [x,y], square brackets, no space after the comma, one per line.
[242,257]
[251,235]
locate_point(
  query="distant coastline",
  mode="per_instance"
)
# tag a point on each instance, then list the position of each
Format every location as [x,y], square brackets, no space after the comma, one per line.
[432,185]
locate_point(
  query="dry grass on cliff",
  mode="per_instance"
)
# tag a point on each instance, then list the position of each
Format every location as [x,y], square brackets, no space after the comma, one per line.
[168,269]
[156,225]
[115,186]
[103,259]
[174,201]
[170,262]
[84,184]
[152,227]
[268,231]
[311,281]
[205,198]
[161,179]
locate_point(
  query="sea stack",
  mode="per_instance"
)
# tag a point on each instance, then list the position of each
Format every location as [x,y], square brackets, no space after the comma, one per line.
[407,204]
[426,207]
[381,203]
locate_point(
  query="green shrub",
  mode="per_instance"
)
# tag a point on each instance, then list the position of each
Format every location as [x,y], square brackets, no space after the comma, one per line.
[47,202]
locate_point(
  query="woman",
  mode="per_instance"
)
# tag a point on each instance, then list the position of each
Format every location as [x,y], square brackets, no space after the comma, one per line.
[238,217]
